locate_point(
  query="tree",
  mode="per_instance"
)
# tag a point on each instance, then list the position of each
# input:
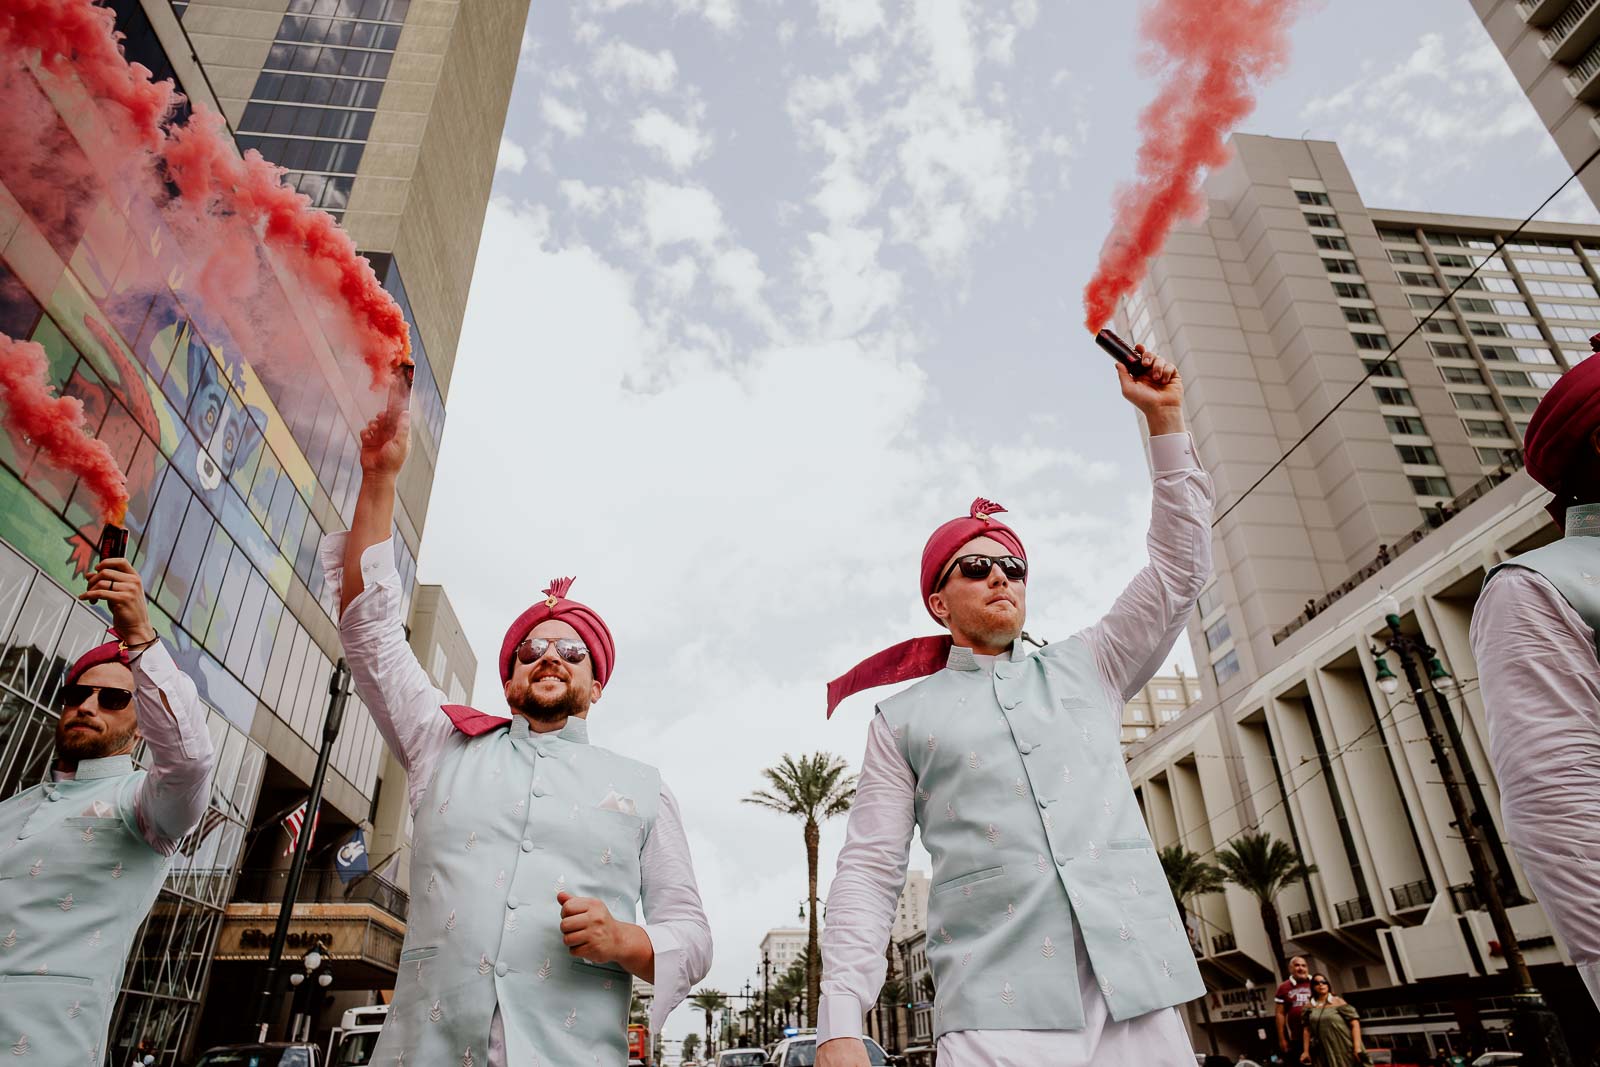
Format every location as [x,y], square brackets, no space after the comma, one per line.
[709,1001]
[814,788]
[1190,876]
[691,1045]
[1263,866]
[787,986]
[894,993]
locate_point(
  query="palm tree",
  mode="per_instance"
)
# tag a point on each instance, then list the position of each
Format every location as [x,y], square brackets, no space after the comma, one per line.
[1188,875]
[787,986]
[1263,866]
[691,1045]
[815,788]
[890,997]
[709,1001]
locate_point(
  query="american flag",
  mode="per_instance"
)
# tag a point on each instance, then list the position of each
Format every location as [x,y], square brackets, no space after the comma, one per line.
[295,820]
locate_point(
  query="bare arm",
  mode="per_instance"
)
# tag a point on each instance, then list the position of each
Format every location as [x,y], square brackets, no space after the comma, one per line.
[385,443]
[1283,1027]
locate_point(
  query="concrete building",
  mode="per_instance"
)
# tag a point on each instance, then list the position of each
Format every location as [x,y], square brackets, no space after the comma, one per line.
[1553,49]
[911,914]
[1278,304]
[782,947]
[1161,700]
[235,476]
[1274,308]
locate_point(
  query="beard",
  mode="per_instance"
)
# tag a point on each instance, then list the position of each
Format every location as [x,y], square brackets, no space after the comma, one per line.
[73,745]
[522,699]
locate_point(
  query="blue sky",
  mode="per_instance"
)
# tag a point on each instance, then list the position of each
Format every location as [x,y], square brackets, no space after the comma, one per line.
[769,289]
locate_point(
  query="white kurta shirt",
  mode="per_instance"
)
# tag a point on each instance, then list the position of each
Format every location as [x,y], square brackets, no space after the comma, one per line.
[1130,643]
[1541,691]
[405,705]
[172,797]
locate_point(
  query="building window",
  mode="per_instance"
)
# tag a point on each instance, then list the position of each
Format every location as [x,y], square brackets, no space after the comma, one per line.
[1367,315]
[1141,733]
[1340,266]
[1510,377]
[1319,199]
[1449,350]
[1322,219]
[1519,403]
[1226,667]
[1493,457]
[1473,401]
[1372,342]
[1218,634]
[1485,428]
[1569,267]
[1139,715]
[1351,290]
[1421,280]
[1210,600]
[1410,259]
[1166,694]
[1486,329]
[1462,375]
[1381,368]
[1423,455]
[1393,397]
[1429,486]
[1404,424]
[1331,244]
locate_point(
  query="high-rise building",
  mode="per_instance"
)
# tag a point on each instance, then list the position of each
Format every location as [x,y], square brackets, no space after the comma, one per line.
[235,474]
[1274,308]
[911,913]
[1162,700]
[1280,302]
[1553,49]
[782,947]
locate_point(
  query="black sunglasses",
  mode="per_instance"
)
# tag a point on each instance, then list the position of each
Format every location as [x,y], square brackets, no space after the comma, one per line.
[533,649]
[110,697]
[978,568]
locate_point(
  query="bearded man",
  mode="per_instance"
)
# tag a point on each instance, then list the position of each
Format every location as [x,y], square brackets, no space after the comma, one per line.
[531,845]
[1052,934]
[1533,634]
[83,853]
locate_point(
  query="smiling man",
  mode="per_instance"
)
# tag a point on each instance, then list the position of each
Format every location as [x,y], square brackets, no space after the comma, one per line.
[532,846]
[1051,932]
[83,853]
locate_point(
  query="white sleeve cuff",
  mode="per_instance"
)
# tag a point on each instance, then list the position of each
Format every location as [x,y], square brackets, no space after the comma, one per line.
[838,1015]
[1173,452]
[671,984]
[155,666]
[377,563]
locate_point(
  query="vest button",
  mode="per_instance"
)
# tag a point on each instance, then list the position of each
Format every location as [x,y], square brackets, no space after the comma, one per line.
[1009,705]
[1061,859]
[501,970]
[527,845]
[539,791]
[512,902]
[1044,802]
[1026,747]
[54,795]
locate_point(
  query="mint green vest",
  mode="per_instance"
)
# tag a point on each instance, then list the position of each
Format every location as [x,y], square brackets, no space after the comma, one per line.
[1571,565]
[510,819]
[1024,802]
[76,881]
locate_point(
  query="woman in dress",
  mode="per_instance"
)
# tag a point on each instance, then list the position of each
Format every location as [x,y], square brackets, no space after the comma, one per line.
[1332,1028]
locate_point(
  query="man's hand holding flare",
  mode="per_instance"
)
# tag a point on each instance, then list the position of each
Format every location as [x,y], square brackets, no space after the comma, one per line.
[1157,393]
[592,933]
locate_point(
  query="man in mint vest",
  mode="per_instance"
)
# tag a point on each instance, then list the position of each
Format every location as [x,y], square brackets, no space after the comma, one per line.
[1052,935]
[1533,634]
[84,852]
[532,847]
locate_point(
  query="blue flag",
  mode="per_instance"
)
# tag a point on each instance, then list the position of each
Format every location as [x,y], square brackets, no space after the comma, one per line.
[351,861]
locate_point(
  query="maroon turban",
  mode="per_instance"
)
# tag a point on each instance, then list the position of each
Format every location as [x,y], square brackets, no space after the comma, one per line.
[1559,432]
[922,656]
[590,627]
[110,652]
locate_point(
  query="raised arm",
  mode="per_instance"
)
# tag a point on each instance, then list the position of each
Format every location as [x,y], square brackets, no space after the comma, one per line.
[403,701]
[171,797]
[861,901]
[1133,639]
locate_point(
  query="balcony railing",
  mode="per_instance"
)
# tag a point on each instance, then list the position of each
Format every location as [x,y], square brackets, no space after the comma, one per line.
[1582,83]
[1349,911]
[1558,41]
[1300,922]
[1223,942]
[323,887]
[1418,894]
[1387,554]
[1465,897]
[1541,12]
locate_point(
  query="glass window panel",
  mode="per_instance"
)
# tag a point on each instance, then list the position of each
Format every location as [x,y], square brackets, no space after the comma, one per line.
[281,118]
[237,655]
[293,669]
[229,599]
[306,558]
[299,512]
[307,709]
[27,662]
[208,582]
[185,563]
[266,631]
[307,120]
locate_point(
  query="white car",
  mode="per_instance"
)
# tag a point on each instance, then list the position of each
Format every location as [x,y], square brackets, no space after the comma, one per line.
[1497,1059]
[742,1057]
[802,1052]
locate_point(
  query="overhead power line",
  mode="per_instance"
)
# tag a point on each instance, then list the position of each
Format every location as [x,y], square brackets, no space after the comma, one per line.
[1372,368]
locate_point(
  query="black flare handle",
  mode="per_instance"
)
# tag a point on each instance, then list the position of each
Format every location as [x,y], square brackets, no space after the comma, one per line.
[1121,351]
[113,542]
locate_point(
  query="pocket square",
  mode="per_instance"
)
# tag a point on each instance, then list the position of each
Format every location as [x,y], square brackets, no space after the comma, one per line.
[615,801]
[98,810]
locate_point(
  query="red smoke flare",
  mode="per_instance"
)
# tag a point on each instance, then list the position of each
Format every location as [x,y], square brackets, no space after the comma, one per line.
[55,424]
[1212,53]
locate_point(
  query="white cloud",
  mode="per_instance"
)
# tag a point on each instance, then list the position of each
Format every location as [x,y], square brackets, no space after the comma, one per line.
[680,144]
[675,214]
[846,19]
[637,68]
[943,29]
[566,118]
[512,157]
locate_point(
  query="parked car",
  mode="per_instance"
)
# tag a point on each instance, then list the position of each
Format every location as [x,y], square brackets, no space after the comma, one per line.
[742,1057]
[271,1054]
[802,1052]
[1497,1059]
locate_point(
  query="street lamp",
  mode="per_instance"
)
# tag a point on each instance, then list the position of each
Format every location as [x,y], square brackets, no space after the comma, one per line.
[1536,1028]
[766,978]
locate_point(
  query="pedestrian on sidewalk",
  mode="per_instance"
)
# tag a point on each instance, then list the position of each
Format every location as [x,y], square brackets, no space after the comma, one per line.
[1331,1029]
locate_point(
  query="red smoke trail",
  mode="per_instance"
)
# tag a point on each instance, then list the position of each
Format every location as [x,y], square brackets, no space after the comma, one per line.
[55,424]
[1212,52]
